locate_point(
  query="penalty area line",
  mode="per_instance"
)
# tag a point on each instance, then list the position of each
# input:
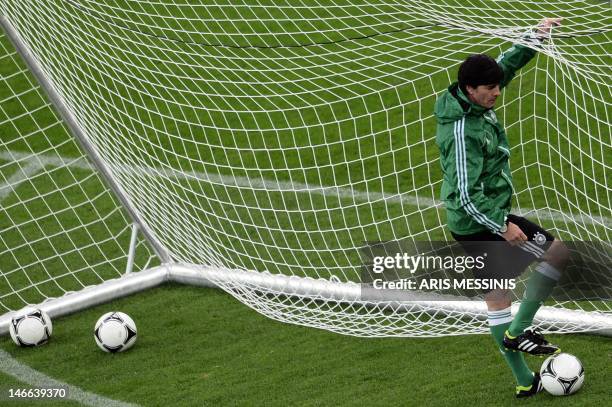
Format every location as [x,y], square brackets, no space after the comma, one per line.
[55,160]
[36,379]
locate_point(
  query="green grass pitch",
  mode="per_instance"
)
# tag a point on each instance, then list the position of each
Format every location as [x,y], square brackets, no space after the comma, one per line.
[201,346]
[206,348]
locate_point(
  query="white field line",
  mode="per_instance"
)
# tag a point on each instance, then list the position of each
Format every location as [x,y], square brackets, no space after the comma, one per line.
[34,378]
[21,175]
[54,160]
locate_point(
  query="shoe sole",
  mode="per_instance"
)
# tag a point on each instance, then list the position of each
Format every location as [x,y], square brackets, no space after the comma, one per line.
[531,354]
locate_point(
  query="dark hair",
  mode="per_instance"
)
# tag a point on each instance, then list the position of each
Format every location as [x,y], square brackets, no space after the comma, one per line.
[479,69]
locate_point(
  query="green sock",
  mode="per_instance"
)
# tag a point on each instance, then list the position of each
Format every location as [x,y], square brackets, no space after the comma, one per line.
[539,286]
[499,321]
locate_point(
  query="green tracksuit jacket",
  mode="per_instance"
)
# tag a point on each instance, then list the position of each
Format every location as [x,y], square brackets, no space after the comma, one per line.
[474,153]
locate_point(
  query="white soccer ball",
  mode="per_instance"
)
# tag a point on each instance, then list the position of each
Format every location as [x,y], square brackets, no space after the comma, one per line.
[115,332]
[562,374]
[30,327]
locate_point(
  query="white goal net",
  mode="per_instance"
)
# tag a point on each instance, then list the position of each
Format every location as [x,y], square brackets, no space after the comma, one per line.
[282,137]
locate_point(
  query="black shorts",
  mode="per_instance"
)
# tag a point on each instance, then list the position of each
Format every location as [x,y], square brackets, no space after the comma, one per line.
[504,261]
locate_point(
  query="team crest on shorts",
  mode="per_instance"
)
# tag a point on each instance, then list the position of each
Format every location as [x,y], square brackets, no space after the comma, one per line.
[539,238]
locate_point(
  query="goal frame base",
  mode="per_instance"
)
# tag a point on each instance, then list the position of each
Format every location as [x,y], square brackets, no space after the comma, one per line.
[131,283]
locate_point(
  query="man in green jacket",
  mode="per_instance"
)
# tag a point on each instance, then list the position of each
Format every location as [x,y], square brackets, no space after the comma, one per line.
[477,191]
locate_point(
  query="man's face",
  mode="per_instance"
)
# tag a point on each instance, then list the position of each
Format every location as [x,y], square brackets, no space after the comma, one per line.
[483,95]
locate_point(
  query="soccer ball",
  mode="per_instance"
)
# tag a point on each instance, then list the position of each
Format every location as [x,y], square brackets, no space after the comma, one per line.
[115,332]
[562,374]
[30,327]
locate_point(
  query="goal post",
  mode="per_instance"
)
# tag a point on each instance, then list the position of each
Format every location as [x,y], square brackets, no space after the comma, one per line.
[262,163]
[75,130]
